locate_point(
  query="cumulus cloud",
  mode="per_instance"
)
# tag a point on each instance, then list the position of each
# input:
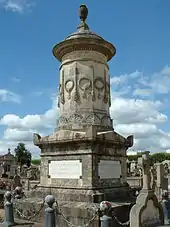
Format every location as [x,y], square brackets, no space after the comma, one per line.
[15,134]
[21,129]
[17,6]
[123,78]
[30,123]
[128,110]
[139,116]
[8,96]
[142,92]
[158,82]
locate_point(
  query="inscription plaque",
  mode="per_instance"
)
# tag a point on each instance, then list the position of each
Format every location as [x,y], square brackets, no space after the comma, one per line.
[67,169]
[109,169]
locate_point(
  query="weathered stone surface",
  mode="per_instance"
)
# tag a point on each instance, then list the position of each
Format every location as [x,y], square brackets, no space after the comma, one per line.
[147,212]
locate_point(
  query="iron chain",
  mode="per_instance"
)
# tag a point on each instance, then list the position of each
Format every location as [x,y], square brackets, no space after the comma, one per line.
[85,225]
[72,225]
[28,218]
[119,222]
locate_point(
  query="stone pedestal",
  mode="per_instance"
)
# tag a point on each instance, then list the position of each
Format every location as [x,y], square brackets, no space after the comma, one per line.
[91,169]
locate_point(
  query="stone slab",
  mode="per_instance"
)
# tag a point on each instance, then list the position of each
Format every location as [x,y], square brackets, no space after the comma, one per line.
[109,169]
[67,169]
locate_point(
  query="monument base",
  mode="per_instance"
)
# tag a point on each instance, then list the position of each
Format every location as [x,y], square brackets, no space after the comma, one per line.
[120,193]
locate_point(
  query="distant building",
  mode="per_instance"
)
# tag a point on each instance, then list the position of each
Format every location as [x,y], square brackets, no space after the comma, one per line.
[7,161]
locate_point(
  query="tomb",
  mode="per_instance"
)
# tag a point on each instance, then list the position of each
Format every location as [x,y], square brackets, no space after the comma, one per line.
[84,161]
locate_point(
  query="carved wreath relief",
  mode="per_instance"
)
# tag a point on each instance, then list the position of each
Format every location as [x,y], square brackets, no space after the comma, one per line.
[83,87]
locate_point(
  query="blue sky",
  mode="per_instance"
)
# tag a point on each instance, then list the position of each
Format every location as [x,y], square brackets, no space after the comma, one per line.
[140,72]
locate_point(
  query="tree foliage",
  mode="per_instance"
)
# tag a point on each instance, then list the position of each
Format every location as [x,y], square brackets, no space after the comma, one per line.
[36,161]
[155,157]
[22,155]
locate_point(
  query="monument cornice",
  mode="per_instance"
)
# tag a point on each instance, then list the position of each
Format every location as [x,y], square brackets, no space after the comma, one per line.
[70,45]
[88,141]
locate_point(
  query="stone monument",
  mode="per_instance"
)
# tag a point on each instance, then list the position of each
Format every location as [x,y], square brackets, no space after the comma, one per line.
[84,160]
[147,212]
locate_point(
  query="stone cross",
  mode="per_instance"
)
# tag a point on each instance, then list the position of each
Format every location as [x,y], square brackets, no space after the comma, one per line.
[144,162]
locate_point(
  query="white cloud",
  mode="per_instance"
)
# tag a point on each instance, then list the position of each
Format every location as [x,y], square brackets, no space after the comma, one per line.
[166,70]
[141,117]
[16,6]
[15,135]
[32,122]
[142,92]
[119,80]
[21,129]
[128,110]
[159,82]
[8,96]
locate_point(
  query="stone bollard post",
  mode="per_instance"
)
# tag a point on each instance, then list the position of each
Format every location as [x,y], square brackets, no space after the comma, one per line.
[18,192]
[106,220]
[50,215]
[8,207]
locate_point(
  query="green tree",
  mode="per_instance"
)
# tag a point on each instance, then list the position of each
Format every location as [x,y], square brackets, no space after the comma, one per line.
[36,161]
[159,157]
[154,157]
[22,155]
[132,158]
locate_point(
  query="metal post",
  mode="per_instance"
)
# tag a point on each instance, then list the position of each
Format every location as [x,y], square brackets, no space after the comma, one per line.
[50,215]
[8,207]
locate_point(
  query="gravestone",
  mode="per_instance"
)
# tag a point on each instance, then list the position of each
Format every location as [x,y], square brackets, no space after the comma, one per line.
[16,181]
[12,171]
[162,179]
[1,171]
[147,212]
[4,166]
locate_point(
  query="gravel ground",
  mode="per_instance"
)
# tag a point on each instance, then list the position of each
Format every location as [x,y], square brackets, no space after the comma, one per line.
[1,214]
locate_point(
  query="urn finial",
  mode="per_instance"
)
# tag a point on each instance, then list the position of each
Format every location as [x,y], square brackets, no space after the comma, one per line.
[83,12]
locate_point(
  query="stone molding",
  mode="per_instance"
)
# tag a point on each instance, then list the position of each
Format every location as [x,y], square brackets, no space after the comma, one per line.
[89,44]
